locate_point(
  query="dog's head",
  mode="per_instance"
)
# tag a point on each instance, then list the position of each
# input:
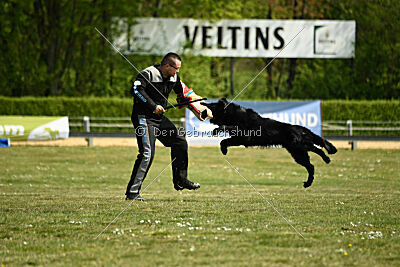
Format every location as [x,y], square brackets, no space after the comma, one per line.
[225,113]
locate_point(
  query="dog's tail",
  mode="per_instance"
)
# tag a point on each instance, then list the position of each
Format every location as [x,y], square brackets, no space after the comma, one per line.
[329,147]
[324,143]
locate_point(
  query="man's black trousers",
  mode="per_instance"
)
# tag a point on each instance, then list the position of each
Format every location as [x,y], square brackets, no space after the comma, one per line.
[147,131]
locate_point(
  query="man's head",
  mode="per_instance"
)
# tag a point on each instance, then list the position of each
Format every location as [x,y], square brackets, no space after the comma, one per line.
[170,64]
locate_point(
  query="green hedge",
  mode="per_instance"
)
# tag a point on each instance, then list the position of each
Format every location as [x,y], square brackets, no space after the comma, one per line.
[71,106]
[377,110]
[362,110]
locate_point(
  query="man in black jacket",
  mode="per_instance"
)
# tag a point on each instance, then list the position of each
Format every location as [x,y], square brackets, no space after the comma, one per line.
[150,90]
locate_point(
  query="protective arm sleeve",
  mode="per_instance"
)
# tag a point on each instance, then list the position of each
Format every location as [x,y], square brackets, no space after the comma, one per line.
[185,94]
[138,90]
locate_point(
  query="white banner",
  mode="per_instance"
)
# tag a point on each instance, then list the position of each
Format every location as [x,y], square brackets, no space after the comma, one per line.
[238,38]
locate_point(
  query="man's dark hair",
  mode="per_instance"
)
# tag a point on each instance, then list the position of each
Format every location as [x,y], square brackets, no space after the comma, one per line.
[168,58]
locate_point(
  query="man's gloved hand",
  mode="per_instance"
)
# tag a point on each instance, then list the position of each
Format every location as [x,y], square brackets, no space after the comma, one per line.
[159,110]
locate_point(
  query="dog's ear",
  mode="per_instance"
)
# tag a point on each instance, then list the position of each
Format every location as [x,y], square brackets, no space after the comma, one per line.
[223,100]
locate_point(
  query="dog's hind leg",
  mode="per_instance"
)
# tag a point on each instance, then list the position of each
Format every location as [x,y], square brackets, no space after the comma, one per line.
[302,158]
[321,154]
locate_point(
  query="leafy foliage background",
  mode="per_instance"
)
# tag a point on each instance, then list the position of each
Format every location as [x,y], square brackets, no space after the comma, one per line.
[51,48]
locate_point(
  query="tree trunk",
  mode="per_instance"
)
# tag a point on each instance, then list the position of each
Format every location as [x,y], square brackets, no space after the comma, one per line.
[84,75]
[232,63]
[293,61]
[269,76]
[269,69]
[104,51]
[53,15]
[292,74]
[158,7]
[278,84]
[68,53]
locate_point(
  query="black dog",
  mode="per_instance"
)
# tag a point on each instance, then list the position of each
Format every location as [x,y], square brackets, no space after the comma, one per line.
[248,128]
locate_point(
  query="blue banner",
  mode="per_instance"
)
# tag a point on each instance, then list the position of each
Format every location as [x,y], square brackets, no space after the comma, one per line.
[304,113]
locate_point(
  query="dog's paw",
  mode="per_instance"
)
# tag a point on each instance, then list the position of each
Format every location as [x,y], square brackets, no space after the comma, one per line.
[224,149]
[307,184]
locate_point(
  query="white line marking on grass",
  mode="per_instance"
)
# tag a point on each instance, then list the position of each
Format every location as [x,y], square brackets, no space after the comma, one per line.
[265,198]
[133,200]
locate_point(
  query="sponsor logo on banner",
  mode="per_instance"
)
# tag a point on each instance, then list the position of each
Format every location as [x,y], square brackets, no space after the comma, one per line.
[238,38]
[16,130]
[22,128]
[324,40]
[304,113]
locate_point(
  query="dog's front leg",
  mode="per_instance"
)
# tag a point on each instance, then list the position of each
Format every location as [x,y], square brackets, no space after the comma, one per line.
[302,158]
[310,170]
[224,146]
[232,141]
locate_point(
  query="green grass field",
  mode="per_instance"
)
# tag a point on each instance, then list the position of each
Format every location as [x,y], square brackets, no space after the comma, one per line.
[56,200]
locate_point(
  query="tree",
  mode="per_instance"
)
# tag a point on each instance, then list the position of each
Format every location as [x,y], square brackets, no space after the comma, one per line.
[51,48]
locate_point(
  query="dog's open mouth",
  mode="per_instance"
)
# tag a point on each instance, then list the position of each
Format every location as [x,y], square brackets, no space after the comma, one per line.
[204,115]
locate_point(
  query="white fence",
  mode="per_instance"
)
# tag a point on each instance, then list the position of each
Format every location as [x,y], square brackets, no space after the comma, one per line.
[349,130]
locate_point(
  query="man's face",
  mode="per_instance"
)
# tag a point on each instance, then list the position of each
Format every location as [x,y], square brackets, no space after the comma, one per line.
[173,68]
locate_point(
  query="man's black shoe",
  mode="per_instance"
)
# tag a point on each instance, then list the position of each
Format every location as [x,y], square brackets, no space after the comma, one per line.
[178,187]
[132,196]
[187,184]
[176,184]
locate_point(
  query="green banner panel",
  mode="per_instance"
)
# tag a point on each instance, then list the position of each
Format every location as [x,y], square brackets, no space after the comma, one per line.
[22,128]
